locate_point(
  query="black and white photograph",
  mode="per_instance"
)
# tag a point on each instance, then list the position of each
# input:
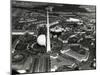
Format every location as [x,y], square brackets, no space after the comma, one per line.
[52,37]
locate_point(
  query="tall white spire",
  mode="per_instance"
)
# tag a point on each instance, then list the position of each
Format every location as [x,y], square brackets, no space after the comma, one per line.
[48,33]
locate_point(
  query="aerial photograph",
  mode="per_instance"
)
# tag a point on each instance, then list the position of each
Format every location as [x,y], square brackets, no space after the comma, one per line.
[52,37]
